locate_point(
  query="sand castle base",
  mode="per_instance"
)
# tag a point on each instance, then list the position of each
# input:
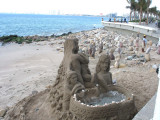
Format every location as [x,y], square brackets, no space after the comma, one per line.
[122,110]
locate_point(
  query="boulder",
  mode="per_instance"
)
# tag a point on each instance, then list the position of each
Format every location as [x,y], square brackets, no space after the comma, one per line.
[2,112]
[130,48]
[116,65]
[147,57]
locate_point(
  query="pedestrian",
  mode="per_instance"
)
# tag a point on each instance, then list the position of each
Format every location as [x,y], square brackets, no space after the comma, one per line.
[125,20]
[121,20]
[102,19]
[144,43]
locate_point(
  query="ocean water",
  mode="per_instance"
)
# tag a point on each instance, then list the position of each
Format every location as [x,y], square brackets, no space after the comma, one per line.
[27,24]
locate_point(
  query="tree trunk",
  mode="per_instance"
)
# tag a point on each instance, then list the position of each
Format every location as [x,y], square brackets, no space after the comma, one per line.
[134,14]
[147,14]
[130,14]
[140,15]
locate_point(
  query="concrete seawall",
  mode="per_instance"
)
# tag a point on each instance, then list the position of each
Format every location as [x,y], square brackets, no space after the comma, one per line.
[128,29]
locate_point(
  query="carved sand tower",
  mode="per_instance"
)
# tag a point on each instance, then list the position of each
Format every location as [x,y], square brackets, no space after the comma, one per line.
[76,95]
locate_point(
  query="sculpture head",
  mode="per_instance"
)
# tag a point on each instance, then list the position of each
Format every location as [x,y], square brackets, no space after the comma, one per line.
[71,46]
[103,63]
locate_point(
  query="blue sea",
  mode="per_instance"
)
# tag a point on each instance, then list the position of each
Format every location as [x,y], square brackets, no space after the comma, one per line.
[30,24]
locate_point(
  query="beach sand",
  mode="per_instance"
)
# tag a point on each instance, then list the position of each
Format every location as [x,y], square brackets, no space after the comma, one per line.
[30,68]
[26,68]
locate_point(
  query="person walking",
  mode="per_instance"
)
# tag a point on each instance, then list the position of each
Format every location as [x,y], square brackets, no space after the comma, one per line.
[144,43]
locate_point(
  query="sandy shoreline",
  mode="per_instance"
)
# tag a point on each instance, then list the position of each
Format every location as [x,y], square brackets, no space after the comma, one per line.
[29,68]
[26,68]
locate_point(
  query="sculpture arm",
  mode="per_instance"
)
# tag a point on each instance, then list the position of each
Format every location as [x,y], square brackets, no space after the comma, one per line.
[76,66]
[83,58]
[76,88]
[102,82]
[111,82]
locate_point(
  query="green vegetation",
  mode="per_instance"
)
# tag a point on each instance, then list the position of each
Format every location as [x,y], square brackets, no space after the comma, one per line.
[142,11]
[143,20]
[11,38]
[27,39]
[64,34]
[14,38]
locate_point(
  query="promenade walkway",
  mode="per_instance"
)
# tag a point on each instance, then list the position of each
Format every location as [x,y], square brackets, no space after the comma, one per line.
[149,30]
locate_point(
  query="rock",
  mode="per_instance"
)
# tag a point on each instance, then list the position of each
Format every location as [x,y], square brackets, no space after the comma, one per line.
[132,52]
[129,58]
[0,86]
[122,65]
[116,65]
[148,50]
[154,66]
[142,59]
[134,56]
[153,45]
[34,92]
[147,57]
[150,43]
[60,43]
[2,112]
[58,48]
[1,118]
[114,81]
[130,48]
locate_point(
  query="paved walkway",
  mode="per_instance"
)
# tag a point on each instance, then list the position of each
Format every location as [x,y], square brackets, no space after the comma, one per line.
[152,25]
[146,113]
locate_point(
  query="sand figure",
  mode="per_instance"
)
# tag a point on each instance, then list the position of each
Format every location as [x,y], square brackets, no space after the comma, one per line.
[117,59]
[147,54]
[71,86]
[93,50]
[86,75]
[90,48]
[77,60]
[62,100]
[111,54]
[100,47]
[104,77]
[137,44]
[158,51]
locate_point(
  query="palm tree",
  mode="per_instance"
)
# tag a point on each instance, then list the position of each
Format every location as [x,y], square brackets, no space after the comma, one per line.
[133,7]
[148,4]
[129,1]
[142,6]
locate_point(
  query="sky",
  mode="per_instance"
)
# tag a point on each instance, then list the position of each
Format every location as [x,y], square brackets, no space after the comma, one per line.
[92,7]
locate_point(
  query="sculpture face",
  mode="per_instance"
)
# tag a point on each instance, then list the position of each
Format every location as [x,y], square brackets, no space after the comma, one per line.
[104,65]
[76,48]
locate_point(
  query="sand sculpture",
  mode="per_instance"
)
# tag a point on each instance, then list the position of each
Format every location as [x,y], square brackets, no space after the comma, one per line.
[158,50]
[111,53]
[147,54]
[72,95]
[117,61]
